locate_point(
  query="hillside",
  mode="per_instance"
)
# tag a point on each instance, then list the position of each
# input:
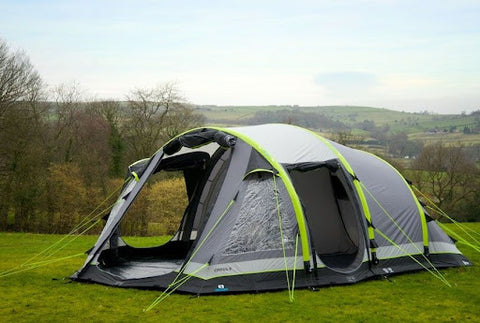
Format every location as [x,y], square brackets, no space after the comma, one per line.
[349,115]
[363,126]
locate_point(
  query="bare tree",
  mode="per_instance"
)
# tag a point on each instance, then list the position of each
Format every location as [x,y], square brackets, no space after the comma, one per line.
[21,127]
[66,108]
[179,119]
[111,112]
[154,115]
[19,81]
[446,173]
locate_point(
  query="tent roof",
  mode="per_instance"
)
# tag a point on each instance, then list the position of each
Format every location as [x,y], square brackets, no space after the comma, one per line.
[286,144]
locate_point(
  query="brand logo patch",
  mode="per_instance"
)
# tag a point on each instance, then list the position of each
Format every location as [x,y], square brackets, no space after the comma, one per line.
[221,288]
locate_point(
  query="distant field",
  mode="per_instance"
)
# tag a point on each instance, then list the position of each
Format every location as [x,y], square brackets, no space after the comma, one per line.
[227,115]
[417,125]
[41,295]
[447,138]
[343,113]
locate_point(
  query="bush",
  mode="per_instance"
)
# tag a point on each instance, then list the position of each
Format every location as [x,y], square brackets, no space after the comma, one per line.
[157,210]
[67,195]
[167,200]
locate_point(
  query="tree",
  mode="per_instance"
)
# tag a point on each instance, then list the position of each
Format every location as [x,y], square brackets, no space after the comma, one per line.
[19,81]
[399,145]
[22,127]
[155,115]
[447,174]
[344,137]
[180,118]
[23,160]
[367,125]
[67,105]
[91,149]
[110,111]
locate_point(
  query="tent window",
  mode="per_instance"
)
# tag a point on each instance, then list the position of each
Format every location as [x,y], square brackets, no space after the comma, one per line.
[257,226]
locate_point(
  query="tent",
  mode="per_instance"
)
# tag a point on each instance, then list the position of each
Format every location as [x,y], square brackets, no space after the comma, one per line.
[272,207]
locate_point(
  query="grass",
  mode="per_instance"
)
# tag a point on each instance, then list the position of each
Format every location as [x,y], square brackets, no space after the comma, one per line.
[42,295]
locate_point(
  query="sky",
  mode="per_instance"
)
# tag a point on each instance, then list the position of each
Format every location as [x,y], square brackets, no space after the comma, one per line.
[404,55]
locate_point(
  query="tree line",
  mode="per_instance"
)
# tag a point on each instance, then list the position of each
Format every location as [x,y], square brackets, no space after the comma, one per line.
[61,152]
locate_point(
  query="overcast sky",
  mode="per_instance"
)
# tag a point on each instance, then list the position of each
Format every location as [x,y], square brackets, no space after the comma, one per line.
[405,55]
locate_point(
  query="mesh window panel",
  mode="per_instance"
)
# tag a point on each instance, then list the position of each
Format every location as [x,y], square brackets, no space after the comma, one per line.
[257,225]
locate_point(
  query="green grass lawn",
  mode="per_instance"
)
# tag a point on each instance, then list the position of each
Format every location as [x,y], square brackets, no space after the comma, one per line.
[43,295]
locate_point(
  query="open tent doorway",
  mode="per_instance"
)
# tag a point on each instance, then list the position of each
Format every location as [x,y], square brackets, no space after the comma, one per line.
[333,216]
[202,177]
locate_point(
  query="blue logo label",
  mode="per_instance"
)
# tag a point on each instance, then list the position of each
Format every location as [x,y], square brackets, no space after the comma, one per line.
[221,288]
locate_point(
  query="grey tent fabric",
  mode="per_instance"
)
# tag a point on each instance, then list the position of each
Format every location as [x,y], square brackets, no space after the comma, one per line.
[384,184]
[266,201]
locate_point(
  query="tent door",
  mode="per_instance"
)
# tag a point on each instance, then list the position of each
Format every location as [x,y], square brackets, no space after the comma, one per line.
[331,216]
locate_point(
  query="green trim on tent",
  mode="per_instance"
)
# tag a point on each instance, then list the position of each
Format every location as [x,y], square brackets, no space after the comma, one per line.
[297,206]
[279,216]
[445,253]
[135,175]
[423,219]
[366,210]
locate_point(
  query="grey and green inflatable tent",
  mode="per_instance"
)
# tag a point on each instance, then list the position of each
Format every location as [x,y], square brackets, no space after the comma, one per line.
[271,206]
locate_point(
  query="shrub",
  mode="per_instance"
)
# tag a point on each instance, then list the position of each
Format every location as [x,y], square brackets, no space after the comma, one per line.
[157,210]
[68,197]
[167,200]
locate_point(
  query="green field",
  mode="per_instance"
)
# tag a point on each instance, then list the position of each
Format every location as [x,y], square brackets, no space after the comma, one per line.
[43,295]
